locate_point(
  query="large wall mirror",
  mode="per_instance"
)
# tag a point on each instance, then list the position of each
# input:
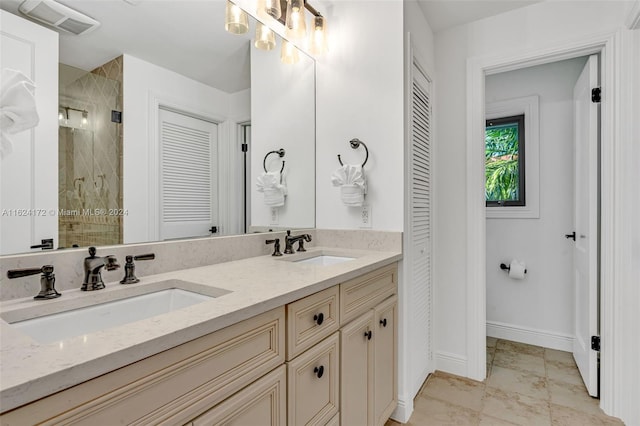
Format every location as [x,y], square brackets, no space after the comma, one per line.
[168,127]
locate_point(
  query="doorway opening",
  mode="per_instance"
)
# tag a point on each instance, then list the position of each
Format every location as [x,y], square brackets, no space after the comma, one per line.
[477,68]
[542,134]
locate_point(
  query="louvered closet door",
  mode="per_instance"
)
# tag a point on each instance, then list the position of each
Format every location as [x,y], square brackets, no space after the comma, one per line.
[420,226]
[188,175]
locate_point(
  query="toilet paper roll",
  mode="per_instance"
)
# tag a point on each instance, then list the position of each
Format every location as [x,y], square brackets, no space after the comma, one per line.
[517,270]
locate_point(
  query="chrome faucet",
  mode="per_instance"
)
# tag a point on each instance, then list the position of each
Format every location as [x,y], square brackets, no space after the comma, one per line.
[92,268]
[289,241]
[47,280]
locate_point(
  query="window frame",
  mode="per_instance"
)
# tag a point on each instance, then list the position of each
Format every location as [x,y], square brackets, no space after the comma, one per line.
[522,195]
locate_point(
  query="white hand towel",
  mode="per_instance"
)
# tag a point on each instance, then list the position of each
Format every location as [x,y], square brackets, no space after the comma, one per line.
[17,107]
[274,187]
[352,183]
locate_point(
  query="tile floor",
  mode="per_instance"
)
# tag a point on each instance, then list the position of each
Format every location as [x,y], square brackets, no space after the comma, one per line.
[525,385]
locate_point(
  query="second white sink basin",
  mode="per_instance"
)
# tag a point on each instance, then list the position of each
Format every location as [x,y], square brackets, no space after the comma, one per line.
[89,319]
[325,260]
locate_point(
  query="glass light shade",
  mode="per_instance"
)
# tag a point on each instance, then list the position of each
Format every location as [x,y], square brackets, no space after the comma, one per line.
[269,8]
[265,38]
[236,20]
[296,27]
[289,53]
[318,36]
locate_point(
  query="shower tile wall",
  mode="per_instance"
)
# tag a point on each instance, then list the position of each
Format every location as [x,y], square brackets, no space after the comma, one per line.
[91,159]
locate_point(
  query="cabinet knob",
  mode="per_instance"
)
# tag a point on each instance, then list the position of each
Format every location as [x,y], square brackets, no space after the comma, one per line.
[368,334]
[319,318]
[319,371]
[383,322]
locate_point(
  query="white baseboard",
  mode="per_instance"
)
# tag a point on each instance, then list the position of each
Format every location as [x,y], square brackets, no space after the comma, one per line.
[531,336]
[451,363]
[403,410]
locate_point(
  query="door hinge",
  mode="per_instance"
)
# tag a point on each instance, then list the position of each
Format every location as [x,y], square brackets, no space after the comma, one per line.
[245,147]
[595,95]
[595,343]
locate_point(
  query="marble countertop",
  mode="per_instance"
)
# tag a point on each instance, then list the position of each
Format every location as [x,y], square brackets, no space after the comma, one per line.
[30,370]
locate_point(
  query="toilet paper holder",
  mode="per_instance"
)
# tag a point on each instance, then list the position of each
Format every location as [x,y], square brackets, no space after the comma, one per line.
[508,267]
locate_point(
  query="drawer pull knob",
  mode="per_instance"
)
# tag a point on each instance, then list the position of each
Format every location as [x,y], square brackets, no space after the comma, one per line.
[368,334]
[383,322]
[319,318]
[319,371]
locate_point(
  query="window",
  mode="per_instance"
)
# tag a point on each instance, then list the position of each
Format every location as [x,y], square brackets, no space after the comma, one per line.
[505,161]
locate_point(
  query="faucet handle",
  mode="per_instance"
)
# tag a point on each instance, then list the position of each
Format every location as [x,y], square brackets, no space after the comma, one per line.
[276,246]
[149,256]
[25,272]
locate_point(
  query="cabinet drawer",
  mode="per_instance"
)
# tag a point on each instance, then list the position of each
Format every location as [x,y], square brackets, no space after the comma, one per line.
[173,386]
[263,403]
[313,384]
[363,293]
[311,319]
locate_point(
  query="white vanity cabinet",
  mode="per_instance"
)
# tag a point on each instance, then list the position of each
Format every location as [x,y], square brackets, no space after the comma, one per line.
[329,358]
[172,387]
[368,390]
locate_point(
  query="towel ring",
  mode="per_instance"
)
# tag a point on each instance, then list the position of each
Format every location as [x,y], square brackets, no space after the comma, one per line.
[280,153]
[355,144]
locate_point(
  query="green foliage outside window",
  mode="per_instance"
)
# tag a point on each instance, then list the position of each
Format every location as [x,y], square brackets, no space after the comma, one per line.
[502,162]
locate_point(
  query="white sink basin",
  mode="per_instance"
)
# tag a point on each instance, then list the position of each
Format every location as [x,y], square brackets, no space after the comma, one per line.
[96,317]
[325,260]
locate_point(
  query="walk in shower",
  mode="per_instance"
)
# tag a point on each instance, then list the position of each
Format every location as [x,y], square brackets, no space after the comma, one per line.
[90,156]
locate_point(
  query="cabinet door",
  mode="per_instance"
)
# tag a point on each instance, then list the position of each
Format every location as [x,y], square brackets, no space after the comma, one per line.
[385,360]
[356,364]
[313,384]
[262,403]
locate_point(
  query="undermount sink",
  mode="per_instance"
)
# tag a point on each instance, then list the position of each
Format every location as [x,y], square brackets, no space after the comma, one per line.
[122,309]
[325,260]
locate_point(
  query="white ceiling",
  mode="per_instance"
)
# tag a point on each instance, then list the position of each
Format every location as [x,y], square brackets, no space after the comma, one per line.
[443,14]
[186,36]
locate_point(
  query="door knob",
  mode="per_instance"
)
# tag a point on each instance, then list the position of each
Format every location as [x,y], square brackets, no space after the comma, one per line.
[319,371]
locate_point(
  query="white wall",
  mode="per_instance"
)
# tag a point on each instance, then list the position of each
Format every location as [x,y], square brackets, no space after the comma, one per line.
[539,26]
[359,94]
[282,114]
[144,85]
[544,300]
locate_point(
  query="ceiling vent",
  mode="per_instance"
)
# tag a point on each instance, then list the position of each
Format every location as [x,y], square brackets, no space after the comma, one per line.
[59,16]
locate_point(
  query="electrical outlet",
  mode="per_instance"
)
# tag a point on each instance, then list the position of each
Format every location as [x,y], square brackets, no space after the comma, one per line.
[365,216]
[274,216]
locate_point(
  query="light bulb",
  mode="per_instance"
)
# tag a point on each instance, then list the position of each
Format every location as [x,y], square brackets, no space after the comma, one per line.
[85,117]
[289,53]
[265,38]
[236,19]
[269,8]
[60,116]
[295,24]
[318,37]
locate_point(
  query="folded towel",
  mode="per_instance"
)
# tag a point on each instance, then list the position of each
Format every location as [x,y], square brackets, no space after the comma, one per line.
[274,187]
[17,107]
[352,183]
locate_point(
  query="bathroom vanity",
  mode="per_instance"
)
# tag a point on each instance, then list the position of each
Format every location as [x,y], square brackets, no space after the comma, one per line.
[300,339]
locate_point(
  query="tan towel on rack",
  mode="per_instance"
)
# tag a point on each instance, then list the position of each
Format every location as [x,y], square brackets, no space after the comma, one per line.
[353,185]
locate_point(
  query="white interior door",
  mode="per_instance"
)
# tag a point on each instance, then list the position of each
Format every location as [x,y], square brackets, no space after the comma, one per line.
[29,174]
[586,139]
[189,204]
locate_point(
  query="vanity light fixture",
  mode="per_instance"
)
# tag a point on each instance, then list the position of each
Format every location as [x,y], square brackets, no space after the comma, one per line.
[236,20]
[295,22]
[265,38]
[318,36]
[289,53]
[269,7]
